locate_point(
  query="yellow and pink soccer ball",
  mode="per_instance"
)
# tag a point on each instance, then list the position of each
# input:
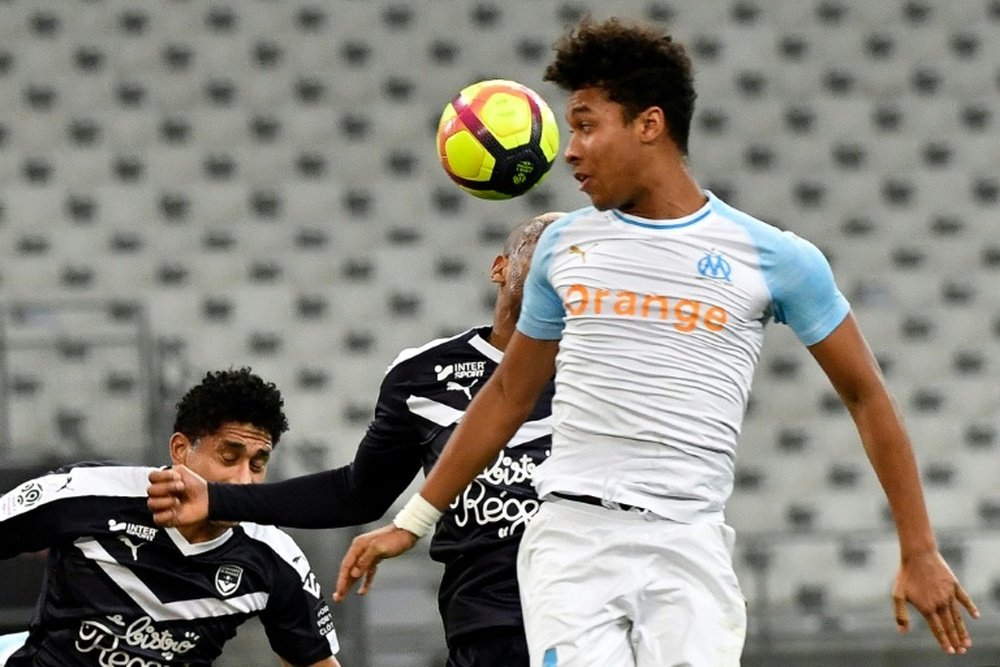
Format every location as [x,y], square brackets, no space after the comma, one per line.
[497,139]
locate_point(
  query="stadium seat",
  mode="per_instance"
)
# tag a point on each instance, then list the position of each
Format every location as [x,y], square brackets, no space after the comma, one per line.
[755,511]
[981,574]
[806,562]
[951,508]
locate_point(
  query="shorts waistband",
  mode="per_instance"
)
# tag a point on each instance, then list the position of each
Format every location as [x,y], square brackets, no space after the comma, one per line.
[597,502]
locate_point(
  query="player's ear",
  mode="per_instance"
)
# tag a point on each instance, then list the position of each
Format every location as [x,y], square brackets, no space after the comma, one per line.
[651,123]
[179,448]
[498,274]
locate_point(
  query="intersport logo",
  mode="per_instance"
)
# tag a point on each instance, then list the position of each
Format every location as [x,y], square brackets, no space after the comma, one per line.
[468,369]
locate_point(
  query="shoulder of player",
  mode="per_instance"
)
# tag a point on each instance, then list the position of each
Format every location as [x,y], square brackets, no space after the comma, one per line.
[91,479]
[766,237]
[279,543]
[569,238]
[413,359]
[78,483]
[109,479]
[581,216]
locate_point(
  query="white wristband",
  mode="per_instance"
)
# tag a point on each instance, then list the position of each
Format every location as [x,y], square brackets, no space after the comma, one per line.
[417,516]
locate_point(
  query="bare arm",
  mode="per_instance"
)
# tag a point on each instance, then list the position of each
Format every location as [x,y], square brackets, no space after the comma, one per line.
[846,359]
[494,415]
[924,578]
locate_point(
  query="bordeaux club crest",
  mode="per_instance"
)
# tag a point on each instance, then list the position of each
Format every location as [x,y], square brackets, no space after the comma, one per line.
[228,578]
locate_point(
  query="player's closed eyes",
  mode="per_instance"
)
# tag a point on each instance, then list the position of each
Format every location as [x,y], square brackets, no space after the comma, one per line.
[256,464]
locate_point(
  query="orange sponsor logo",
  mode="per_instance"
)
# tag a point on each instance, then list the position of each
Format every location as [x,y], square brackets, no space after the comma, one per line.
[684,314]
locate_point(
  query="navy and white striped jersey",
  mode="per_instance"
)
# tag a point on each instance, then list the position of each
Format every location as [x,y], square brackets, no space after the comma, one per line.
[120,591]
[424,394]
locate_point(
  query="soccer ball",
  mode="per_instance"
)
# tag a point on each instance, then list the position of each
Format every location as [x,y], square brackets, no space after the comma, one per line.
[497,139]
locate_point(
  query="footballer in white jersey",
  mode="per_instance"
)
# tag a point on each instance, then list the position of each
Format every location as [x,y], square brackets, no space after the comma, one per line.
[661,326]
[649,310]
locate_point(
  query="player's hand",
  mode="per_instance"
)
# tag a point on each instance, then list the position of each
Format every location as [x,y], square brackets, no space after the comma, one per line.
[926,582]
[177,497]
[366,552]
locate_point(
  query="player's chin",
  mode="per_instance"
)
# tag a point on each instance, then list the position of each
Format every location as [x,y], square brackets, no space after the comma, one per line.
[601,203]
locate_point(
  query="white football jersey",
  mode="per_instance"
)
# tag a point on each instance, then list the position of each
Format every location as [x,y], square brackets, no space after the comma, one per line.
[660,325]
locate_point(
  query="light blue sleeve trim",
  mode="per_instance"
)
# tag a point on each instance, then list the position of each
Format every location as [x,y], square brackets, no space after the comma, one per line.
[803,291]
[542,311]
[9,644]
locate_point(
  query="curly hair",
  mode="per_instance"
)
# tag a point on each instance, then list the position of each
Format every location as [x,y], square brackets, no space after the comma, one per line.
[637,66]
[231,396]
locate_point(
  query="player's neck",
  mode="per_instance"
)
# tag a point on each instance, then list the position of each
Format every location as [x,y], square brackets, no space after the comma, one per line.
[504,321]
[506,310]
[203,532]
[499,339]
[672,192]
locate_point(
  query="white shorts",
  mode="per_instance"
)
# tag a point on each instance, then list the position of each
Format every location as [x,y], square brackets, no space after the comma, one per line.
[604,587]
[9,644]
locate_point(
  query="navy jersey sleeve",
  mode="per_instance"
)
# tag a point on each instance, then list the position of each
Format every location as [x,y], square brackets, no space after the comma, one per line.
[386,461]
[297,619]
[44,511]
[299,627]
[30,518]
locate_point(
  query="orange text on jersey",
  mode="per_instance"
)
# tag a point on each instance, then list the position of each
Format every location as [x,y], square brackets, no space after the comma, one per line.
[686,313]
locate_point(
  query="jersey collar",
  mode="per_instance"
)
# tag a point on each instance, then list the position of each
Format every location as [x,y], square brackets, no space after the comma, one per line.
[485,349]
[193,549]
[671,223]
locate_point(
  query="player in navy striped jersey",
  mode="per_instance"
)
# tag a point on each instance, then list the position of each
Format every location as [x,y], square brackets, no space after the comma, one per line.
[119,590]
[423,396]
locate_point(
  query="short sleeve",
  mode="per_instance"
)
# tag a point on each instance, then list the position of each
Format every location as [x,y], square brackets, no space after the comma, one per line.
[803,289]
[542,311]
[297,619]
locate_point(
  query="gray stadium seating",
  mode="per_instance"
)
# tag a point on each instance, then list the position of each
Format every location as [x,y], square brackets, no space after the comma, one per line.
[261,178]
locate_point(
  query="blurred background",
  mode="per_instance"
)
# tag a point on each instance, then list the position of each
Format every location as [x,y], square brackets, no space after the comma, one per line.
[187,185]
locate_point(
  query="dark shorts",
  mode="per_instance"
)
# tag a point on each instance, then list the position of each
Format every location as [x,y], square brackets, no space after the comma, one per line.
[496,647]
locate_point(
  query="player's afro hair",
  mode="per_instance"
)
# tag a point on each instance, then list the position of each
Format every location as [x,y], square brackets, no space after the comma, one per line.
[638,66]
[231,396]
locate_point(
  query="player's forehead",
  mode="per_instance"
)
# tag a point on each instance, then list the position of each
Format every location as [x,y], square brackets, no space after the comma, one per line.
[589,101]
[237,435]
